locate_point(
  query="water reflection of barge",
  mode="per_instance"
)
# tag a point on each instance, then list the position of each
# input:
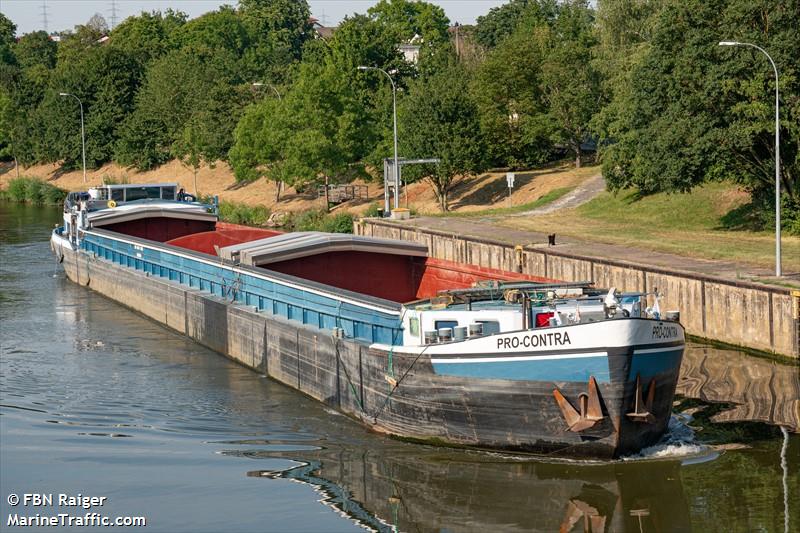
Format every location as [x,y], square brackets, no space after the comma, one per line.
[412,346]
[427,493]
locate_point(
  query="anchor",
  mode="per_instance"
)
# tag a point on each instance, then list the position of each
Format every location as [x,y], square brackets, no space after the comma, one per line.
[591,410]
[593,521]
[641,408]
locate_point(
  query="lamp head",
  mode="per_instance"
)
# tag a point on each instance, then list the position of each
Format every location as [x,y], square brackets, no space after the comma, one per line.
[362,67]
[63,94]
[728,43]
[257,84]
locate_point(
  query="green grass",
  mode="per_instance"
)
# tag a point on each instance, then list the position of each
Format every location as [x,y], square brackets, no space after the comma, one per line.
[548,198]
[33,191]
[684,224]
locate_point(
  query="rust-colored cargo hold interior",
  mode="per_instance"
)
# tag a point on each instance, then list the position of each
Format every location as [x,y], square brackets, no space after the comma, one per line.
[400,278]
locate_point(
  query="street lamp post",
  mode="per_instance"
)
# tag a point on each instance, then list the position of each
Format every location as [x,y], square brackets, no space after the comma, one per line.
[777,155]
[394,114]
[261,84]
[83,137]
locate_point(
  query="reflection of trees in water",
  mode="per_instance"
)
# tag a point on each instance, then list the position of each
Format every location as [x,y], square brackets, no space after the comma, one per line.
[743,490]
[447,490]
[761,389]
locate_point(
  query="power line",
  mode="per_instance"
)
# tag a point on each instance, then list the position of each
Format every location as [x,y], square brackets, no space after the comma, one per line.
[44,15]
[113,13]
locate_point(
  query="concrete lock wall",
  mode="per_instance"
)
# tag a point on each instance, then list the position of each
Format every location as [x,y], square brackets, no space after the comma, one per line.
[740,313]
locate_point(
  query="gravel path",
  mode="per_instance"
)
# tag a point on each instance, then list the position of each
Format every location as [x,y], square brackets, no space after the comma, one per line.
[580,195]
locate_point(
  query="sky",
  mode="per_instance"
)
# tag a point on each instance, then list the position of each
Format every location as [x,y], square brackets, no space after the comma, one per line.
[65,14]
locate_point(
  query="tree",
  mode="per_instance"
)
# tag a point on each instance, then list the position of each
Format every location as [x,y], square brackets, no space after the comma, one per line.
[148,36]
[277,30]
[513,114]
[501,22]
[570,84]
[440,119]
[179,85]
[699,112]
[404,19]
[36,49]
[195,145]
[317,132]
[98,23]
[6,149]
[8,62]
[222,29]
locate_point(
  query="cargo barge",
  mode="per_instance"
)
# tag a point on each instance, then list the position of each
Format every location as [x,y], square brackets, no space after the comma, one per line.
[415,347]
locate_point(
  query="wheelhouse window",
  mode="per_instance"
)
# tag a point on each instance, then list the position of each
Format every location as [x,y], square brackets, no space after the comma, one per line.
[439,324]
[413,326]
[489,326]
[133,194]
[168,193]
[118,195]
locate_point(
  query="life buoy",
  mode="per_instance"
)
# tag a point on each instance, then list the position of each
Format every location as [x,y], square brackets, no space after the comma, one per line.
[112,204]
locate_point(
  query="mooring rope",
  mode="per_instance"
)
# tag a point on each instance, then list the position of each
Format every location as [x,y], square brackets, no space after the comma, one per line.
[399,381]
[347,374]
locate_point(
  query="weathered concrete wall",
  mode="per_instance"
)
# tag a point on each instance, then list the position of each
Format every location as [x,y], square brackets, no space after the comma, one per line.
[739,313]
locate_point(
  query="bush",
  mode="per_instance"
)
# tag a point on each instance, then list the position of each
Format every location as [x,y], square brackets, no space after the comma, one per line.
[34,191]
[249,215]
[319,220]
[372,210]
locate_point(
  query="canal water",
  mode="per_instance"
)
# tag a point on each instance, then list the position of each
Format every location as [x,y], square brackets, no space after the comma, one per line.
[99,401]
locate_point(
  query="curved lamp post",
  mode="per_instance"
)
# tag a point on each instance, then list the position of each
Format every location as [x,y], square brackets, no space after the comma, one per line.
[777,155]
[395,167]
[83,137]
[261,84]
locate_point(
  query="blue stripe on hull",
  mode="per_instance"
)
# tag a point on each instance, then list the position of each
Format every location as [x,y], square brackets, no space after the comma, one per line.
[648,365]
[567,369]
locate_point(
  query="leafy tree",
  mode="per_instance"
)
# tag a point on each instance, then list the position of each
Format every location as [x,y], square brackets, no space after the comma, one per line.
[359,40]
[513,115]
[440,119]
[6,149]
[179,85]
[277,30]
[702,112]
[74,44]
[570,84]
[502,21]
[196,144]
[221,29]
[405,19]
[36,49]
[148,36]
[316,132]
[8,62]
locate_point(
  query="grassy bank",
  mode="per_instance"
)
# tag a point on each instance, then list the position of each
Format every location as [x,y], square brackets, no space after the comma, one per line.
[545,199]
[686,224]
[32,191]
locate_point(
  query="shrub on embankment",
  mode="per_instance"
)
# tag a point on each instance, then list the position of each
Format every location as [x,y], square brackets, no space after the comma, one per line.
[239,213]
[33,191]
[311,220]
[320,220]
